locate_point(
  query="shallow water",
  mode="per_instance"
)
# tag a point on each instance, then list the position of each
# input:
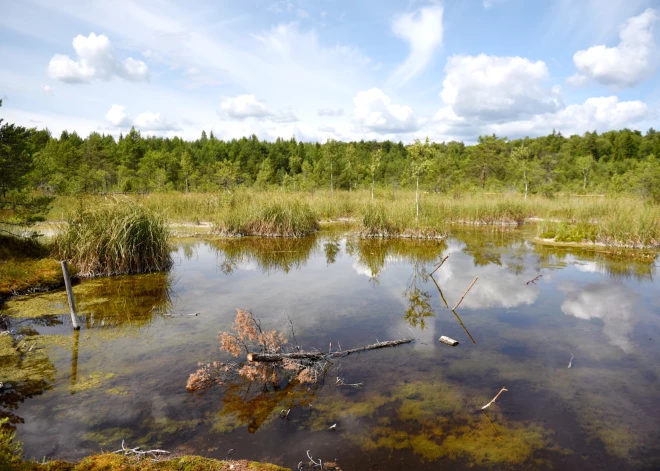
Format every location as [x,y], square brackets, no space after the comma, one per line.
[123,376]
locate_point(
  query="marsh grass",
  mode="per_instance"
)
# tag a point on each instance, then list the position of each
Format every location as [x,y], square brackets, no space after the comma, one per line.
[623,221]
[278,217]
[115,239]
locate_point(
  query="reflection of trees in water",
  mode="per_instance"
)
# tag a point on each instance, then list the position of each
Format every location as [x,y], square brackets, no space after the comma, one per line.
[269,254]
[617,263]
[419,306]
[126,300]
[505,246]
[331,249]
[253,402]
[26,369]
[374,254]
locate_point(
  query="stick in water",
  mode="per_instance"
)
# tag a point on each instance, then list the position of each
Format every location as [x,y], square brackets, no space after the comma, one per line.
[534,280]
[491,423]
[466,292]
[495,398]
[439,265]
[570,363]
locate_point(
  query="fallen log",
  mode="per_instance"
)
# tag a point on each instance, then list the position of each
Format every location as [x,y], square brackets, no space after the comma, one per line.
[274,357]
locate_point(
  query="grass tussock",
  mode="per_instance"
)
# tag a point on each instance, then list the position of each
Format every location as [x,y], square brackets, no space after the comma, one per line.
[611,223]
[275,218]
[115,239]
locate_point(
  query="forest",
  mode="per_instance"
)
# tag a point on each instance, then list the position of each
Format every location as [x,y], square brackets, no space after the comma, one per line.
[33,161]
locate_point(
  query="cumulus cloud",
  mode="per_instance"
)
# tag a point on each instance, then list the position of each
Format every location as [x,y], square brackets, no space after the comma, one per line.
[375,112]
[577,80]
[47,89]
[148,121]
[597,113]
[422,30]
[495,88]
[117,116]
[627,64]
[244,106]
[613,304]
[330,112]
[95,59]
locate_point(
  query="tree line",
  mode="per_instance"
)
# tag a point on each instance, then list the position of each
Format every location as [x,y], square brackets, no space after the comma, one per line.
[33,160]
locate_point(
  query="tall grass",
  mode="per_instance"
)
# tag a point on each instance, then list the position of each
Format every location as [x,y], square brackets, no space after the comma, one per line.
[613,221]
[275,218]
[115,239]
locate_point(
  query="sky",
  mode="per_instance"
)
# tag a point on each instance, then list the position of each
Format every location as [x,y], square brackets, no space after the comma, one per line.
[331,69]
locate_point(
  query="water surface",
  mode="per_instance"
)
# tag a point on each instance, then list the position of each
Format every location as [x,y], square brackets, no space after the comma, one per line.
[123,375]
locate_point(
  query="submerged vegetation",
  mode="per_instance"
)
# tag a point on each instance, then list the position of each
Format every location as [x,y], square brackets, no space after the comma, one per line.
[115,239]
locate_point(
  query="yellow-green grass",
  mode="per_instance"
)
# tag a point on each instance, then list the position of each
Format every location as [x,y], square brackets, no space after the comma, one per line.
[115,239]
[25,266]
[608,220]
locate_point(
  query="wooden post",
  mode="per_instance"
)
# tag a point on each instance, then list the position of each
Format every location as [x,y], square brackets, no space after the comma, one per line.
[69,294]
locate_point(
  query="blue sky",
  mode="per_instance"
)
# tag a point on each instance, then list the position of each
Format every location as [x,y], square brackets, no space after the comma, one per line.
[348,70]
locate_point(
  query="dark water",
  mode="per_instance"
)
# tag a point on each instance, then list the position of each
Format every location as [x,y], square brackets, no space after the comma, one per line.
[123,376]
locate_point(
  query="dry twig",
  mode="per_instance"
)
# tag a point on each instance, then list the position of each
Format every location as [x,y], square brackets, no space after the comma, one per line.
[438,265]
[534,280]
[570,363]
[466,292]
[495,398]
[139,453]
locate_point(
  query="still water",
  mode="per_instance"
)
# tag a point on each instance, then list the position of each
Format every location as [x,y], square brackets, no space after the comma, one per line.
[123,376]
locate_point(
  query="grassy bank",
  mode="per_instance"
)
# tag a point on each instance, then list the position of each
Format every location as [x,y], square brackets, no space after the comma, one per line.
[115,239]
[611,221]
[25,266]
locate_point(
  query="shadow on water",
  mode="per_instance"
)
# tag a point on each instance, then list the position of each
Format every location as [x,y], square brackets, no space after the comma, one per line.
[420,407]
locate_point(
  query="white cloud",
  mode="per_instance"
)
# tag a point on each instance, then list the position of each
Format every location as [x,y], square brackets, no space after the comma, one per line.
[375,112]
[492,88]
[330,112]
[302,14]
[597,113]
[48,90]
[244,106]
[117,116]
[149,121]
[423,31]
[613,304]
[95,59]
[627,64]
[577,80]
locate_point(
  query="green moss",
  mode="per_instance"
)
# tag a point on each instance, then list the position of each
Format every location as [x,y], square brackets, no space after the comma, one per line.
[425,401]
[91,381]
[328,411]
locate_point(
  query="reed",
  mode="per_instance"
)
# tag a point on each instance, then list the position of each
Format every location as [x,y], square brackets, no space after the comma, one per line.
[115,239]
[279,217]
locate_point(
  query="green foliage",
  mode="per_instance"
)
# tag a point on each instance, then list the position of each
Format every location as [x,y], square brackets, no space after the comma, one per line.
[11,451]
[115,239]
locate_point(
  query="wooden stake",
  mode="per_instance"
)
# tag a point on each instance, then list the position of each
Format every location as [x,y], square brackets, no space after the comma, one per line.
[69,294]
[466,292]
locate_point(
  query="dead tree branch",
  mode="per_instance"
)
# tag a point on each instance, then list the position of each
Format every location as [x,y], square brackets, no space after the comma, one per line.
[534,280]
[315,356]
[495,398]
[438,265]
[466,292]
